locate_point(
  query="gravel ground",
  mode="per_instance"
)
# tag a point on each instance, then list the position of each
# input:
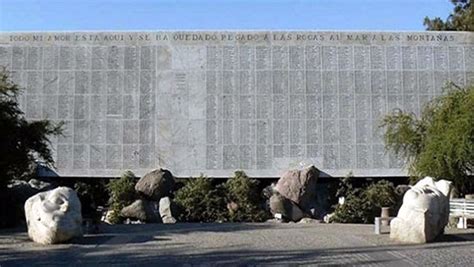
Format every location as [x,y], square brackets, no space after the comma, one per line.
[238,244]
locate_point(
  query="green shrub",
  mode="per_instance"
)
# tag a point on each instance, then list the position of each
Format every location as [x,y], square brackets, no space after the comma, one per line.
[439,143]
[243,191]
[236,200]
[122,193]
[363,204]
[355,209]
[201,201]
[381,194]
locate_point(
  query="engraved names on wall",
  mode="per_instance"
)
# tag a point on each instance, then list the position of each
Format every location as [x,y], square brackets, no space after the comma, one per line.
[214,102]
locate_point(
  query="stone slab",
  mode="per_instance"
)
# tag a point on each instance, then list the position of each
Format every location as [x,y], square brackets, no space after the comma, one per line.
[212,102]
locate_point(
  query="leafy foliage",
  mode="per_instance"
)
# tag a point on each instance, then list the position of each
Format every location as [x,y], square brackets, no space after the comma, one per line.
[22,142]
[122,193]
[381,194]
[362,204]
[440,143]
[236,200]
[461,19]
[244,192]
[200,201]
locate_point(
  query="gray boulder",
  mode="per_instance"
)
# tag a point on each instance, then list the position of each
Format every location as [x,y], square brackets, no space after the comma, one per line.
[299,186]
[289,210]
[167,210]
[54,216]
[156,184]
[142,210]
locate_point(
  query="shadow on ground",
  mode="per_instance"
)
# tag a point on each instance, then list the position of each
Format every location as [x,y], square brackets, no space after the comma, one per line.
[93,256]
[456,237]
[153,245]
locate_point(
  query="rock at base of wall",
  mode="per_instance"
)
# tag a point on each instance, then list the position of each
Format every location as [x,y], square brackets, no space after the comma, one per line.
[289,210]
[142,210]
[54,216]
[424,212]
[299,186]
[166,210]
[156,184]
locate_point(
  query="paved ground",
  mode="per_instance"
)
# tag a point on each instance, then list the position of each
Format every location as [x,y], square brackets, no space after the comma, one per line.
[238,244]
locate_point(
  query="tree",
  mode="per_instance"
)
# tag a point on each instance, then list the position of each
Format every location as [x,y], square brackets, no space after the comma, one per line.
[461,19]
[440,143]
[22,142]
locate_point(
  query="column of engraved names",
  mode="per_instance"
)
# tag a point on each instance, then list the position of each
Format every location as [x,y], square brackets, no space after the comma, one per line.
[330,129]
[264,111]
[297,92]
[362,81]
[214,111]
[230,107]
[394,88]
[313,103]
[346,104]
[247,107]
[281,102]
[378,69]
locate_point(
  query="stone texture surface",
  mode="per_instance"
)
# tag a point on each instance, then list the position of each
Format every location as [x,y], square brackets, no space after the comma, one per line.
[286,207]
[142,210]
[156,184]
[424,212]
[299,186]
[167,210]
[215,101]
[54,216]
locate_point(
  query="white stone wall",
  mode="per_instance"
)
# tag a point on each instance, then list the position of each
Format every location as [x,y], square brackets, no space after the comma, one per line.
[212,102]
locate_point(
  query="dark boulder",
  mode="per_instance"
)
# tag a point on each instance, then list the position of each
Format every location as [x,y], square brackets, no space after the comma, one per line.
[287,208]
[156,184]
[142,210]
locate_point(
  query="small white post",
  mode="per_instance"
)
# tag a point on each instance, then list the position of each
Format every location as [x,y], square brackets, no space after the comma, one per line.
[377,225]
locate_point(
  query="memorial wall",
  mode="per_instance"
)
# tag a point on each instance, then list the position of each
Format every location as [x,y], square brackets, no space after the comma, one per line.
[213,102]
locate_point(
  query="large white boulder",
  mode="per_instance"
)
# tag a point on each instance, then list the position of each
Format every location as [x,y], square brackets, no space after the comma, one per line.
[424,212]
[54,216]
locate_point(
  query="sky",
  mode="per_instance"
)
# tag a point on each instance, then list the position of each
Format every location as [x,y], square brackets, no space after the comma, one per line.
[68,15]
